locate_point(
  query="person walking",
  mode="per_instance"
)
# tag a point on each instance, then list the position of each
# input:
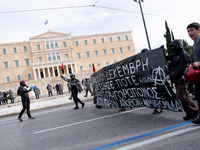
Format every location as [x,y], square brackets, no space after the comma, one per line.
[23,92]
[49,88]
[87,85]
[179,62]
[37,92]
[75,88]
[193,30]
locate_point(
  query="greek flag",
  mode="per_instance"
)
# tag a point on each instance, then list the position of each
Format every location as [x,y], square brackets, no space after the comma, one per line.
[46,22]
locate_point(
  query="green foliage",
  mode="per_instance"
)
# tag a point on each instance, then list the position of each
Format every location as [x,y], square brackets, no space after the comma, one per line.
[187,48]
[168,38]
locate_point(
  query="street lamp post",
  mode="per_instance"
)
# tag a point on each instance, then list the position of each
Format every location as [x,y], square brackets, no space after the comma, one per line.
[139,1]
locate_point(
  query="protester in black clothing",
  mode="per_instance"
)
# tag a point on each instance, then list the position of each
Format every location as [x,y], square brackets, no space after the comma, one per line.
[75,88]
[57,89]
[179,62]
[87,86]
[23,92]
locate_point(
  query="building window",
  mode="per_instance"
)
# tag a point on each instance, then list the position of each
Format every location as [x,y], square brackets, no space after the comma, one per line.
[126,37]
[76,43]
[105,52]
[58,56]
[99,65]
[67,56]
[88,54]
[81,68]
[94,41]
[56,44]
[40,59]
[16,63]
[96,53]
[14,49]
[4,51]
[38,47]
[129,48]
[102,40]
[18,77]
[5,64]
[119,39]
[54,56]
[29,76]
[107,63]
[110,39]
[51,43]
[27,62]
[79,55]
[25,49]
[47,45]
[121,50]
[49,57]
[86,43]
[7,79]
[64,44]
[113,51]
[90,66]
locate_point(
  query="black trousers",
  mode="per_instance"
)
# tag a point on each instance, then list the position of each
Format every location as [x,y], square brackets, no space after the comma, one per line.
[87,92]
[75,98]
[197,93]
[26,106]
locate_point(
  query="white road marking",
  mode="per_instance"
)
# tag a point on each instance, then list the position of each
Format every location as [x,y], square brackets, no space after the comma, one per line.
[86,121]
[158,138]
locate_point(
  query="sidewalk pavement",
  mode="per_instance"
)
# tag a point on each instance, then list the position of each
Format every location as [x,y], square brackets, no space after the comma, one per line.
[43,102]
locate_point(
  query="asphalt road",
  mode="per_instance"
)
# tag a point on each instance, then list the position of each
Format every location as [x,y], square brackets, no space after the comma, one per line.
[62,128]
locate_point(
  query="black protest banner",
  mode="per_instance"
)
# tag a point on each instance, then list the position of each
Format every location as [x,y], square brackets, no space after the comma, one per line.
[138,81]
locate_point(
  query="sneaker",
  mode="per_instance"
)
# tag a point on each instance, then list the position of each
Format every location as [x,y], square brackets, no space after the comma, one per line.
[20,119]
[83,105]
[157,111]
[197,120]
[187,117]
[76,108]
[31,117]
[85,96]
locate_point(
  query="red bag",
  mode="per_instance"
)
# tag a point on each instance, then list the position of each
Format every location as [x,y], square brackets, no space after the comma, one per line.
[192,75]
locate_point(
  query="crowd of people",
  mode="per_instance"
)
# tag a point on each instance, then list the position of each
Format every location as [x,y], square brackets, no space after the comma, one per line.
[179,60]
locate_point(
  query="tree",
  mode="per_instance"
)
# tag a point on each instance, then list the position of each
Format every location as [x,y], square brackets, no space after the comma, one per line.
[187,48]
[168,38]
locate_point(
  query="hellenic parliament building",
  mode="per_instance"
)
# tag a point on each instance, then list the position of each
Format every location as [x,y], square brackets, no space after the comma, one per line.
[39,60]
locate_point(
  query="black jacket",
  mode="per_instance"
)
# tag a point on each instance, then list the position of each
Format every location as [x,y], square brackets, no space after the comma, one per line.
[23,92]
[178,61]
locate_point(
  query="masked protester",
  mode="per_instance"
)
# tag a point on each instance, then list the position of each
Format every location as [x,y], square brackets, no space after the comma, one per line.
[23,92]
[75,88]
[179,61]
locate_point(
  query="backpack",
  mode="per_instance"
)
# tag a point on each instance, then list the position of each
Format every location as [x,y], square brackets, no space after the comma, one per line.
[192,75]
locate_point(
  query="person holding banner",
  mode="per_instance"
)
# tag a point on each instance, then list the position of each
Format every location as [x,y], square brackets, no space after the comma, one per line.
[193,30]
[179,62]
[75,88]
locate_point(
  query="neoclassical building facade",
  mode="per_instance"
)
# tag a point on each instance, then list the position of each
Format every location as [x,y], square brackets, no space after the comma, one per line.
[43,55]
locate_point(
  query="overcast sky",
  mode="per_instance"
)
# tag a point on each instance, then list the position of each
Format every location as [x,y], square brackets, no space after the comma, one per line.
[21,19]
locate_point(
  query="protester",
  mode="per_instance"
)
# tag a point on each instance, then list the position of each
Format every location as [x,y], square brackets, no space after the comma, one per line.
[49,88]
[23,92]
[179,62]
[193,30]
[57,89]
[60,88]
[5,99]
[87,86]
[75,88]
[37,92]
[12,96]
